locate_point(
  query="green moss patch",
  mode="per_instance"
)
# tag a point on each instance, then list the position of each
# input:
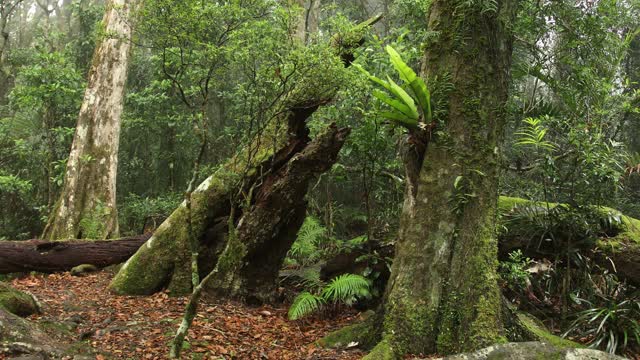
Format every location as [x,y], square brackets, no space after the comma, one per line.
[17,302]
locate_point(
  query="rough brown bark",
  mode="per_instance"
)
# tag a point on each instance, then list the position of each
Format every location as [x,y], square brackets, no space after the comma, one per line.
[443,296]
[164,261]
[268,228]
[47,256]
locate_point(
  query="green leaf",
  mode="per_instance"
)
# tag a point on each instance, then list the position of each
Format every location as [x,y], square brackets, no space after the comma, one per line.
[400,119]
[304,304]
[416,84]
[396,104]
[345,288]
[400,93]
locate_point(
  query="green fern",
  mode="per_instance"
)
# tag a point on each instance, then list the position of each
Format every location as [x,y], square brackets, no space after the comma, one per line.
[344,289]
[304,304]
[305,249]
[533,134]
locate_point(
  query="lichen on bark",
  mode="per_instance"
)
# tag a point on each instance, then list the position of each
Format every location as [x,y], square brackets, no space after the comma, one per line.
[443,294]
[89,192]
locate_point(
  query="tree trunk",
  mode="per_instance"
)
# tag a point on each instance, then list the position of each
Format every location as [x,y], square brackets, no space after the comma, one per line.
[45,256]
[268,228]
[87,205]
[443,295]
[267,168]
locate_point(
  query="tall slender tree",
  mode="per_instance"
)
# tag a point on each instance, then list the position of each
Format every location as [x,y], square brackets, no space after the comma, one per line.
[87,204]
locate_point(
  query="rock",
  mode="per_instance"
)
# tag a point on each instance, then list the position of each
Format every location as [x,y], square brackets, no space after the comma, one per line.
[532,351]
[83,269]
[17,302]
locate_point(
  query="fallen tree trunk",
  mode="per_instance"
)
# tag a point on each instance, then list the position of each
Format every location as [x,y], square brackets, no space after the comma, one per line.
[617,248]
[54,256]
[617,236]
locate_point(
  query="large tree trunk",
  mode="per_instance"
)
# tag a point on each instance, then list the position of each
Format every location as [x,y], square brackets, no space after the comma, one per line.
[443,295]
[267,167]
[53,256]
[87,204]
[267,229]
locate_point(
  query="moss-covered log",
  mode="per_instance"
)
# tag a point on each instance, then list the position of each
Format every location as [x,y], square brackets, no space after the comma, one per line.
[18,337]
[617,244]
[164,261]
[54,256]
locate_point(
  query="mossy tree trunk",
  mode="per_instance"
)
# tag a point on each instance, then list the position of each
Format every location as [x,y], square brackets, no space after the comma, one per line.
[443,294]
[271,173]
[87,203]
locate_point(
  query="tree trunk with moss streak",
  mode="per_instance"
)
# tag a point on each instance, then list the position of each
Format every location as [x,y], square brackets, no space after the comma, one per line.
[274,171]
[87,204]
[443,295]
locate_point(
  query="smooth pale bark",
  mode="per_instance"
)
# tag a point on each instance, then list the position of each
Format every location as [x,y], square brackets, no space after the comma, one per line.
[89,191]
[7,10]
[443,296]
[307,20]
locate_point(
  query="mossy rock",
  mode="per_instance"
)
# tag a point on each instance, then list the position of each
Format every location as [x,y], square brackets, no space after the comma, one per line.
[83,269]
[17,302]
[532,351]
[540,333]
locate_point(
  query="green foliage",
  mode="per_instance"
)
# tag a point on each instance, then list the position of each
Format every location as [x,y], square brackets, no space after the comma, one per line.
[344,289]
[15,185]
[305,250]
[612,323]
[514,271]
[533,134]
[139,214]
[404,110]
[93,226]
[304,304]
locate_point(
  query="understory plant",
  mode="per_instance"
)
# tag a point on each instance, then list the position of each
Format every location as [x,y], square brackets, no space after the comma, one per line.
[344,289]
[611,321]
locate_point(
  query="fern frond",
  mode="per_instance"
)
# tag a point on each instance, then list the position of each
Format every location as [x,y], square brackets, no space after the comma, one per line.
[346,288]
[304,304]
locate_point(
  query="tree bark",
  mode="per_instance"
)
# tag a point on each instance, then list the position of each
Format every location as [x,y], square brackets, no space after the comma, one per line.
[443,296]
[87,204]
[54,256]
[265,167]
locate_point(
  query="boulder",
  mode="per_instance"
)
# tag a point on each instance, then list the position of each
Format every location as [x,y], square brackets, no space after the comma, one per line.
[533,351]
[17,302]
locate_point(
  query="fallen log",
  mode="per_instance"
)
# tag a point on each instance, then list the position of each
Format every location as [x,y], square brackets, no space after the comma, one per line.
[607,236]
[54,256]
[616,246]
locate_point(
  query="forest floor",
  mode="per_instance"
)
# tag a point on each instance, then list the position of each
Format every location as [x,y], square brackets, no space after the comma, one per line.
[126,327]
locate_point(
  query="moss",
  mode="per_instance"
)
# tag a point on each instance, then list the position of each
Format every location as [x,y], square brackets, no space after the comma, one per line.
[543,335]
[83,269]
[383,351]
[629,228]
[17,302]
[366,333]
